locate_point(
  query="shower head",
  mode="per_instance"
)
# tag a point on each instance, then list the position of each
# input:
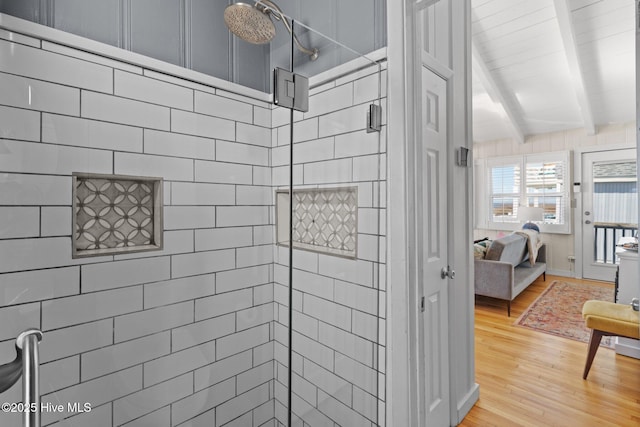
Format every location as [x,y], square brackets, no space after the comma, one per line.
[249,23]
[254,24]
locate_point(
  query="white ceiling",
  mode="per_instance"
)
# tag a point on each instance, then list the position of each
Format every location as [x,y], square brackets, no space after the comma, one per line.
[542,66]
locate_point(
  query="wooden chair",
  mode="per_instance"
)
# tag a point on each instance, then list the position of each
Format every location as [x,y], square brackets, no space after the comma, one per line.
[608,319]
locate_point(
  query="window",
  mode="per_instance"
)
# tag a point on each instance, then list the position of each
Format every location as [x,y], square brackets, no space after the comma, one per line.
[505,192]
[540,180]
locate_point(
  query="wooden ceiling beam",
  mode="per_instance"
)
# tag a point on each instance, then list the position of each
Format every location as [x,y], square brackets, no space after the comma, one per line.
[567,31]
[496,94]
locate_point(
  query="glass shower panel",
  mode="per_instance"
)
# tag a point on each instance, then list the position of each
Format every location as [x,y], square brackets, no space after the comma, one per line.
[336,202]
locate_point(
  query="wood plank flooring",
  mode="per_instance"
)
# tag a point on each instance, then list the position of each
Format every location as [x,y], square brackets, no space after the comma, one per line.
[529,378]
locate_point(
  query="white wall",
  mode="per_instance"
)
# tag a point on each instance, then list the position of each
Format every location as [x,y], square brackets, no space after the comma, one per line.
[451,58]
[559,246]
[154,338]
[190,334]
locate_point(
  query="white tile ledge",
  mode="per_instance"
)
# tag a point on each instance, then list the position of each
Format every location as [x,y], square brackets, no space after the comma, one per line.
[31,29]
[368,60]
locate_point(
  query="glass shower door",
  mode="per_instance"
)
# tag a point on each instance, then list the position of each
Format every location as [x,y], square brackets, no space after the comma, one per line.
[334,197]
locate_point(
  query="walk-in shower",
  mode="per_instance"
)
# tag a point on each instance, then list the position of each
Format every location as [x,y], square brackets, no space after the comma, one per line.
[237,319]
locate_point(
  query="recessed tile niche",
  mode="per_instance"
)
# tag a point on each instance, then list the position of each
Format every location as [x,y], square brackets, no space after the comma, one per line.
[115,214]
[325,220]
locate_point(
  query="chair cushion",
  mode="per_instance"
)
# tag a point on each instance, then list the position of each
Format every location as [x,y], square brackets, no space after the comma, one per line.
[615,319]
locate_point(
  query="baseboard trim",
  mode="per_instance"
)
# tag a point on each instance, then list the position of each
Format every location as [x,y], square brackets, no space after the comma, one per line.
[628,347]
[561,273]
[467,402]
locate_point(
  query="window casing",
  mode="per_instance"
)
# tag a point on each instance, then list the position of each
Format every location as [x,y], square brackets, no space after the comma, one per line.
[541,180]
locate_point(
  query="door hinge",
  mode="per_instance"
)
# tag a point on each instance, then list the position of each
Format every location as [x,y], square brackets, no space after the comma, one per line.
[422,304]
[290,90]
[374,118]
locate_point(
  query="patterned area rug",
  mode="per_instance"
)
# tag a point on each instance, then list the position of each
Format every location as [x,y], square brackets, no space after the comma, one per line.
[558,310]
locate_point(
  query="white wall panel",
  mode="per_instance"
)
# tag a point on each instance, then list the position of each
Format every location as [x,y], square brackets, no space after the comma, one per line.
[241,153]
[19,124]
[27,286]
[148,400]
[169,168]
[153,91]
[99,391]
[34,63]
[202,402]
[90,133]
[51,159]
[125,111]
[202,125]
[32,94]
[176,145]
[215,105]
[200,332]
[18,222]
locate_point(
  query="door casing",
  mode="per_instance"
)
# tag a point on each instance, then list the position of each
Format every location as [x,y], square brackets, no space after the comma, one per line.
[577,197]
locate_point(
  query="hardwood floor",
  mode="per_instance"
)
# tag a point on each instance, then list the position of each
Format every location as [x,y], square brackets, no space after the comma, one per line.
[529,378]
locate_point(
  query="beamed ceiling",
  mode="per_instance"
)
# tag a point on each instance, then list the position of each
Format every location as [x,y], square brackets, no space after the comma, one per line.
[543,66]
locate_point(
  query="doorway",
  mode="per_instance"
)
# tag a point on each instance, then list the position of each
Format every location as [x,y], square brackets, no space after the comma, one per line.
[433,249]
[609,209]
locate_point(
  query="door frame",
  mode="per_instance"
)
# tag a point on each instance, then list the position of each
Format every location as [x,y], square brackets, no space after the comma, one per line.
[421,172]
[577,197]
[402,407]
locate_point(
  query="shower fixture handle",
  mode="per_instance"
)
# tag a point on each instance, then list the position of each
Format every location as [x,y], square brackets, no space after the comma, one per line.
[25,365]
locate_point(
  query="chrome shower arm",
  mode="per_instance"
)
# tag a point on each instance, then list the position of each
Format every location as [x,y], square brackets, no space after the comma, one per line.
[270,6]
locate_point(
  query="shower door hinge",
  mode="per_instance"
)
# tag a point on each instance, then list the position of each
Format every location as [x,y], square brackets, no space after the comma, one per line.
[374,118]
[290,90]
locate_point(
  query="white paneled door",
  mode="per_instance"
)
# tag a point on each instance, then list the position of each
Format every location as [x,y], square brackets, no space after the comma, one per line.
[434,272]
[609,209]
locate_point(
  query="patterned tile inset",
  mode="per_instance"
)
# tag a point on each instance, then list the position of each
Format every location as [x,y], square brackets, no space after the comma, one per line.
[114,214]
[325,220]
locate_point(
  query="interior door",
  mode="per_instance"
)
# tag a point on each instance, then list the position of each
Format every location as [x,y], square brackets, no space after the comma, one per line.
[609,208]
[433,249]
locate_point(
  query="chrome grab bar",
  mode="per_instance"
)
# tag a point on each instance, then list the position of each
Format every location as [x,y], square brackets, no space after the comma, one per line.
[27,365]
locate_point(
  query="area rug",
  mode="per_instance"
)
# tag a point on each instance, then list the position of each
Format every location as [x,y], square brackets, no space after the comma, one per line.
[558,310]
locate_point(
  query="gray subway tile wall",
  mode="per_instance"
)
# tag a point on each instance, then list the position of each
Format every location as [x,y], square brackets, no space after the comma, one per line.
[193,334]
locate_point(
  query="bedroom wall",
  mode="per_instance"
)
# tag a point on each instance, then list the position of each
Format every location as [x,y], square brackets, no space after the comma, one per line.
[559,246]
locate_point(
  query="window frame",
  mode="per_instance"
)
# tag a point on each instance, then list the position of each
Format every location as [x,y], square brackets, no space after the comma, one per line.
[485,194]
